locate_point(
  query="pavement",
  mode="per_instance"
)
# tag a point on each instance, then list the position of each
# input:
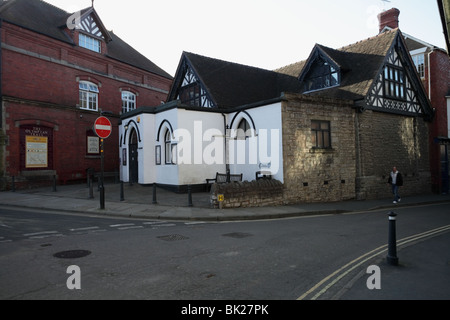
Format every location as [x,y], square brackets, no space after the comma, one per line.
[424,271]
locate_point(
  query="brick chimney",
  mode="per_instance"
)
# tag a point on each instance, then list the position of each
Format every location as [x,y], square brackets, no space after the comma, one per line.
[389,19]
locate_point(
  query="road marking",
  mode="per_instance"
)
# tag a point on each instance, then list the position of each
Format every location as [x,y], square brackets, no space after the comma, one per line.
[131,227]
[40,233]
[164,225]
[340,273]
[46,236]
[154,222]
[84,229]
[122,225]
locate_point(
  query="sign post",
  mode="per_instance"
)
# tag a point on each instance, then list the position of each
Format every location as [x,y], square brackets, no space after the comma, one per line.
[103,129]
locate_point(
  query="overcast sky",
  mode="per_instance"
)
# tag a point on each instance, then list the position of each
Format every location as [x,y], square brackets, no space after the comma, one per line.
[264,33]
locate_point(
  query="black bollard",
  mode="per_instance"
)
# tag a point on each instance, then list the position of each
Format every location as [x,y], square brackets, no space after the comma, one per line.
[122,194]
[154,194]
[392,258]
[102,197]
[54,183]
[91,186]
[13,186]
[190,196]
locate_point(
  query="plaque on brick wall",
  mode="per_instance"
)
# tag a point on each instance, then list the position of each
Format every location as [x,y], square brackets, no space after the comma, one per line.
[36,152]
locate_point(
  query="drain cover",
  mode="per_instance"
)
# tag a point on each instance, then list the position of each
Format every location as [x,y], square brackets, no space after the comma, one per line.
[238,235]
[173,237]
[74,254]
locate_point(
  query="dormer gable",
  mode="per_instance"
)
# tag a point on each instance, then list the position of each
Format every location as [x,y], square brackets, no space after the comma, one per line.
[90,23]
[188,86]
[320,71]
[88,31]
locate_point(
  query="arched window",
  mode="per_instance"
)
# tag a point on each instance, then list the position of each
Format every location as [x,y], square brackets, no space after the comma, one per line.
[168,147]
[88,96]
[243,130]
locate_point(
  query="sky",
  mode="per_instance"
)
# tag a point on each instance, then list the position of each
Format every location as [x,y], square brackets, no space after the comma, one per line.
[268,34]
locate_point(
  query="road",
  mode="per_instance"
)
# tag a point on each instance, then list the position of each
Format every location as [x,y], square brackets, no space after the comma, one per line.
[136,259]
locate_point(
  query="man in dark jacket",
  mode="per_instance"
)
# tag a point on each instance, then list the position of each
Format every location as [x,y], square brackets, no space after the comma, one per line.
[396,181]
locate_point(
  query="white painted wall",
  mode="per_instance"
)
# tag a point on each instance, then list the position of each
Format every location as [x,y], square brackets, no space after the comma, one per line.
[204,133]
[200,139]
[267,144]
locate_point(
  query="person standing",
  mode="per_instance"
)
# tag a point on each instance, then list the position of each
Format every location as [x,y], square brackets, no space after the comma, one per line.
[396,181]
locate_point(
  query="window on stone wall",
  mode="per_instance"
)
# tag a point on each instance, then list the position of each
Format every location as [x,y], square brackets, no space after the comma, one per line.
[321,134]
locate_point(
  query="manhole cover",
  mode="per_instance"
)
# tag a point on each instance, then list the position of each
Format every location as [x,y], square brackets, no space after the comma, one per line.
[173,237]
[238,235]
[74,254]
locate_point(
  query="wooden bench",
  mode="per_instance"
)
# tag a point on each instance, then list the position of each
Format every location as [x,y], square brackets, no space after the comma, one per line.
[223,178]
[263,175]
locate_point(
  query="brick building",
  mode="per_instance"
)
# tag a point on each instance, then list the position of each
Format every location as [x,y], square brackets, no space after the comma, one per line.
[59,72]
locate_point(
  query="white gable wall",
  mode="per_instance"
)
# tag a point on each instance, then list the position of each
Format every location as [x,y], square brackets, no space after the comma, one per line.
[201,155]
[263,152]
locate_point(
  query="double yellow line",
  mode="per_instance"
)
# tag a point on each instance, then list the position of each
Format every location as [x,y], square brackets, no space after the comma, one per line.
[323,286]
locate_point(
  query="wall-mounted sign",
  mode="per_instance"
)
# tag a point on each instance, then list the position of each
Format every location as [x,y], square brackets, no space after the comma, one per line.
[36,152]
[93,145]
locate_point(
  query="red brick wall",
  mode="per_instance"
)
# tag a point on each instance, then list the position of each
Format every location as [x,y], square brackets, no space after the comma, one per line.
[440,87]
[40,88]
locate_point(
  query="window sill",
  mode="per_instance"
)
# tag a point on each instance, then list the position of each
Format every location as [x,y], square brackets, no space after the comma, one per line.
[322,150]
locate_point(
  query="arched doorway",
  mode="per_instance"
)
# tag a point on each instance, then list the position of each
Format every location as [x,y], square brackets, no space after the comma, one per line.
[134,163]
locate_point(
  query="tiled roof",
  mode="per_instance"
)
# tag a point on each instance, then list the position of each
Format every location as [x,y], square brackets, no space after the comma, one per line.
[232,84]
[359,62]
[44,18]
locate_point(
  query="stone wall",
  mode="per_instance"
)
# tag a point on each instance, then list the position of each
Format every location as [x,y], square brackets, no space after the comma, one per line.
[311,174]
[388,140]
[258,193]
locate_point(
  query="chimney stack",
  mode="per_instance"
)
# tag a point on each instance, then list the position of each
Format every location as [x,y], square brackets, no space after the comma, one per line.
[389,19]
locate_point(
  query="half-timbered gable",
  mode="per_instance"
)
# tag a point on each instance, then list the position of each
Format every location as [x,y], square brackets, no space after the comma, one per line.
[207,82]
[397,87]
[90,24]
[377,74]
[188,88]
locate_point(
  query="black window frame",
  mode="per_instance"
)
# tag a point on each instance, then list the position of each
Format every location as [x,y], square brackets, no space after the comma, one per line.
[394,83]
[321,134]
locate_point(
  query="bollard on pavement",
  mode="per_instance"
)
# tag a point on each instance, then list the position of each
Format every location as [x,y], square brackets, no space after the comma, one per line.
[190,196]
[122,194]
[91,186]
[392,258]
[154,194]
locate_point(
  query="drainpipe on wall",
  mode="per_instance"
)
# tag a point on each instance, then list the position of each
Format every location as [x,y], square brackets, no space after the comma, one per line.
[429,73]
[227,162]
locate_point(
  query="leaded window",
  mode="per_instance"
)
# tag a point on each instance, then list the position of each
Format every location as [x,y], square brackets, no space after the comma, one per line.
[168,147]
[191,95]
[394,83]
[322,75]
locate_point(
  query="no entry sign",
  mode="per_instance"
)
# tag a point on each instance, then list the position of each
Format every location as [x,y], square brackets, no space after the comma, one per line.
[103,127]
